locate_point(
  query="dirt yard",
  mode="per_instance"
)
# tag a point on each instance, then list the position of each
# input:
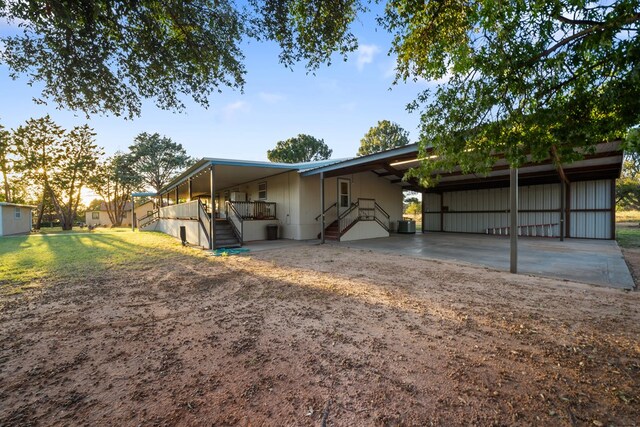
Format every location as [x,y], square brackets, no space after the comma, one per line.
[313,335]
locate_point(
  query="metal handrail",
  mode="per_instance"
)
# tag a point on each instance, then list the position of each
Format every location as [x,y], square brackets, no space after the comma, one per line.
[229,207]
[345,218]
[147,219]
[255,210]
[384,221]
[201,210]
[326,210]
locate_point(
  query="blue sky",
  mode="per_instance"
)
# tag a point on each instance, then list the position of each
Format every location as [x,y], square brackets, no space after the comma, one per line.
[339,104]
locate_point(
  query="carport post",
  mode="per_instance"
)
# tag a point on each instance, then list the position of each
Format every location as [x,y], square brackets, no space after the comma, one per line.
[562,200]
[424,197]
[321,207]
[513,197]
[212,222]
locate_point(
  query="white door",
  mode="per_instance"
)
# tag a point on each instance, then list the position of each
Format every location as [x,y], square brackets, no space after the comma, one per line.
[344,195]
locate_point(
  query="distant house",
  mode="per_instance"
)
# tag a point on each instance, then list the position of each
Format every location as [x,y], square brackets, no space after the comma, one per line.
[15,218]
[100,217]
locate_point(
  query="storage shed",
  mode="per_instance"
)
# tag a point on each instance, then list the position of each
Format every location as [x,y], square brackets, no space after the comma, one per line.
[15,219]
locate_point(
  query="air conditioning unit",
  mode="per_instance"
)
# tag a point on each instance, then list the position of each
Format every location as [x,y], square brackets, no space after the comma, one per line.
[237,196]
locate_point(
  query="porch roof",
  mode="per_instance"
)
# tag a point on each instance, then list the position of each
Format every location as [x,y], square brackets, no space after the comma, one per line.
[604,163]
[232,172]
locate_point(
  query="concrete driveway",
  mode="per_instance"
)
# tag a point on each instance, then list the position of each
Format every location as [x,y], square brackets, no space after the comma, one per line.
[599,262]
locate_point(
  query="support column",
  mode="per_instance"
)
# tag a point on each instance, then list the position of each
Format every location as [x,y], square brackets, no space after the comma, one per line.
[613,209]
[212,223]
[177,192]
[321,207]
[567,213]
[441,213]
[424,205]
[133,213]
[513,198]
[190,189]
[562,209]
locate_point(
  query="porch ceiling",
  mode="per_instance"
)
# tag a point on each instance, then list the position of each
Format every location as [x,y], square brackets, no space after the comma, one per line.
[226,176]
[604,163]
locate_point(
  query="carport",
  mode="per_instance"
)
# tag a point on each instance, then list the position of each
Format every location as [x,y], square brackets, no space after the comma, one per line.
[598,262]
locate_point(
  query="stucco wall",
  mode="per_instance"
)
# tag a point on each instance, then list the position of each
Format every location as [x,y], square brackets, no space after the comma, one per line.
[282,189]
[364,230]
[104,219]
[9,224]
[195,234]
[363,185]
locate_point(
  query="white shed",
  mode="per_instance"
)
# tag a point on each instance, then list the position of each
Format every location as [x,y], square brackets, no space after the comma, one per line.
[15,219]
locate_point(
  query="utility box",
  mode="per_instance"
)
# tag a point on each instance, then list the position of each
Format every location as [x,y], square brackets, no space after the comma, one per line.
[407,227]
[272,232]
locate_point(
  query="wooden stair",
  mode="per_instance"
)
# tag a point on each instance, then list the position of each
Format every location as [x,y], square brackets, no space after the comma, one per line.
[225,237]
[332,232]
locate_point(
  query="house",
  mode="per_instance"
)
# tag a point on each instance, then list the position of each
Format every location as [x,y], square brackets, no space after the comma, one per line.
[15,218]
[100,217]
[362,198]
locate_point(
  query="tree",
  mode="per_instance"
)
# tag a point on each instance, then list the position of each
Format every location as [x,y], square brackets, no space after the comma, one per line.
[527,79]
[302,148]
[59,163]
[6,150]
[384,136]
[628,186]
[158,159]
[114,180]
[538,78]
[106,56]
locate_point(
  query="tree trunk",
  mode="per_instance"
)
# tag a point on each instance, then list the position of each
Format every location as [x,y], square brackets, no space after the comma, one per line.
[7,190]
[40,212]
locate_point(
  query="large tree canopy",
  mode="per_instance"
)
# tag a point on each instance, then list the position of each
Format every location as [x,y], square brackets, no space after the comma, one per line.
[158,159]
[526,77]
[106,56]
[384,136]
[302,148]
[522,78]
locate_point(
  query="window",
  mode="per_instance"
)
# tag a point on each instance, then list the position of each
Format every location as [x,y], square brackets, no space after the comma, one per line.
[344,194]
[95,215]
[18,213]
[262,190]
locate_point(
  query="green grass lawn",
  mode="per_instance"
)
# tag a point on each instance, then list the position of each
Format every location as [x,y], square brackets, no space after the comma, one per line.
[27,261]
[628,237]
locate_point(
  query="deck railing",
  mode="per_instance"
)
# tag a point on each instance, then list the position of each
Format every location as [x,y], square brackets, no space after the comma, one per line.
[148,219]
[255,210]
[363,210]
[187,210]
[236,220]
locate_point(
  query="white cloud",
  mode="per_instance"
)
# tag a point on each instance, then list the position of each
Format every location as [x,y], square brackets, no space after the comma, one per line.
[271,98]
[231,110]
[366,52]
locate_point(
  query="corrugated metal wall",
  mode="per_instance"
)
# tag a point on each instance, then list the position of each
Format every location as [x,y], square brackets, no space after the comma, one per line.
[591,209]
[431,203]
[475,211]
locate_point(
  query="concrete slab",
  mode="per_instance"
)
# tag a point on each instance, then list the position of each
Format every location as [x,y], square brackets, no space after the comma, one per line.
[598,262]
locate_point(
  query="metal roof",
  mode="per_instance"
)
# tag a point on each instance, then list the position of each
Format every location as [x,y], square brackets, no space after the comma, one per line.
[17,205]
[210,161]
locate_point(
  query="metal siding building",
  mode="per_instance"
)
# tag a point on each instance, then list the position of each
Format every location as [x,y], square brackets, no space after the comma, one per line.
[486,211]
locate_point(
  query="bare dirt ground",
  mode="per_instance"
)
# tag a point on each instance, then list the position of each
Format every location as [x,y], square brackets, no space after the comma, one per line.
[313,335]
